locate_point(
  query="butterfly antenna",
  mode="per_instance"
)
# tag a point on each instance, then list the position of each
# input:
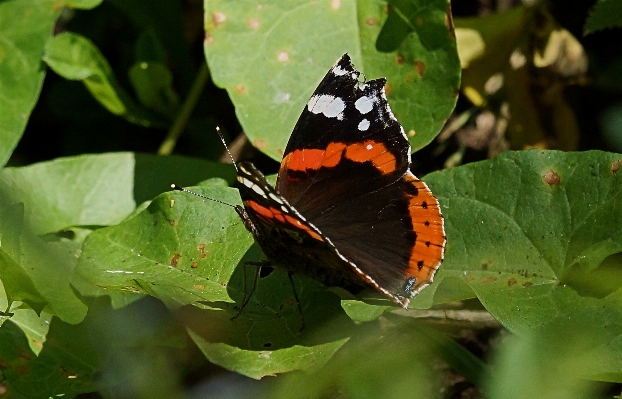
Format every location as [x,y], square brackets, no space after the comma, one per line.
[226,147]
[176,187]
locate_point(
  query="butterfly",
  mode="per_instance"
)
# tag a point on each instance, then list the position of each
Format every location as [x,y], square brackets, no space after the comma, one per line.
[346,210]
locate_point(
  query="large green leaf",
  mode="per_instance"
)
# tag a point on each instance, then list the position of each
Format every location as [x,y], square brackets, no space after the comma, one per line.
[88,190]
[270,57]
[26,25]
[517,225]
[187,250]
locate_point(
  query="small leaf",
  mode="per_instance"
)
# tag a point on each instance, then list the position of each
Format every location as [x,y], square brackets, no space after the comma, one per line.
[258,364]
[153,83]
[75,57]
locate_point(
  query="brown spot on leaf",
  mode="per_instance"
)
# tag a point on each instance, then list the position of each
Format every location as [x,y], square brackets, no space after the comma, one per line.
[194,265]
[512,282]
[240,89]
[399,59]
[175,259]
[551,178]
[172,203]
[484,266]
[36,343]
[489,279]
[283,56]
[253,23]
[199,287]
[201,248]
[260,144]
[370,21]
[420,67]
[4,365]
[419,21]
[24,355]
[335,4]
[615,166]
[527,284]
[218,18]
[387,89]
[469,278]
[22,370]
[171,222]
[290,302]
[209,39]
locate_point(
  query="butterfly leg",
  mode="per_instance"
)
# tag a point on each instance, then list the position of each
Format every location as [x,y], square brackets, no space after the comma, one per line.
[248,294]
[302,317]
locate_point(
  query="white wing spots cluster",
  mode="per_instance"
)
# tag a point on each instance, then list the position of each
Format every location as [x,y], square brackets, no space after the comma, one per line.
[338,71]
[249,184]
[330,106]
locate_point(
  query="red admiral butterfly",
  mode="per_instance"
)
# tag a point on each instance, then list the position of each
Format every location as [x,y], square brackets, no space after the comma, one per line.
[346,210]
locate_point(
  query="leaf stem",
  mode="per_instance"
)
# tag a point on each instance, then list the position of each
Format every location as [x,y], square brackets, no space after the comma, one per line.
[168,145]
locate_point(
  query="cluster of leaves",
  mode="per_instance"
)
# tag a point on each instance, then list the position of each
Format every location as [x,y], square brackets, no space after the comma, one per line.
[108,280]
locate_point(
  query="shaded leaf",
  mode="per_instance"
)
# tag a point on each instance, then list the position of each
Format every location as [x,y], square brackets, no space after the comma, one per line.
[604,15]
[258,364]
[75,57]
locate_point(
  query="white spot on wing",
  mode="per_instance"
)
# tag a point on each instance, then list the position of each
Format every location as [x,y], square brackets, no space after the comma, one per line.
[257,189]
[337,71]
[364,125]
[369,146]
[330,106]
[364,104]
[275,198]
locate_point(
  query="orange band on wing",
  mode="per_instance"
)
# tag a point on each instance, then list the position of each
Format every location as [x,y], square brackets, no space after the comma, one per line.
[372,151]
[271,214]
[313,158]
[427,253]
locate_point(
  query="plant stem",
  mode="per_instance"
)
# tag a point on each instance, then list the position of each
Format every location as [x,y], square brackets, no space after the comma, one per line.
[168,145]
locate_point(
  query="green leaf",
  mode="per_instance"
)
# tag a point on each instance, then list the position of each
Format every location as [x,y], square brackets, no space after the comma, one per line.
[37,272]
[271,58]
[26,26]
[83,4]
[75,57]
[181,248]
[34,326]
[517,225]
[17,285]
[87,190]
[55,370]
[153,83]
[184,250]
[604,15]
[260,363]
